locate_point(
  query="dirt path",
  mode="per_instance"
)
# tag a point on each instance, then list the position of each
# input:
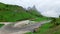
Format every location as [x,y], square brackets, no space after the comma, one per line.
[8,29]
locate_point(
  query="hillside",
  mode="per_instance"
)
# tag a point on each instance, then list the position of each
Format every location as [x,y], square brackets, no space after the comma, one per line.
[12,13]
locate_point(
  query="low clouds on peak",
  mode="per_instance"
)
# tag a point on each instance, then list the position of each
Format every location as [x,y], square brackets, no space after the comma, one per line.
[50,8]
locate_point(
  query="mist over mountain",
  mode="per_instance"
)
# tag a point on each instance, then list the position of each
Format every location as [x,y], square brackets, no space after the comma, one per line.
[50,8]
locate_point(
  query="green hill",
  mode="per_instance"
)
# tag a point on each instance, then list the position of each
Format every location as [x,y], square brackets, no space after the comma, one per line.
[12,13]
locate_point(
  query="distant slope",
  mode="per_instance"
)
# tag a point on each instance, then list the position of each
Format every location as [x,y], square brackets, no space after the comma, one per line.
[34,11]
[12,13]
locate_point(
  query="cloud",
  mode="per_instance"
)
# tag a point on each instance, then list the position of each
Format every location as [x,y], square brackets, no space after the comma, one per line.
[50,8]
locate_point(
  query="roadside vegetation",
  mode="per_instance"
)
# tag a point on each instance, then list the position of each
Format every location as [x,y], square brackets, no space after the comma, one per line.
[1,25]
[42,29]
[52,27]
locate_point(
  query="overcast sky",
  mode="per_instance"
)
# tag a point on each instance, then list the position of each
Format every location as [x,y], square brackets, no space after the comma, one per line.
[49,8]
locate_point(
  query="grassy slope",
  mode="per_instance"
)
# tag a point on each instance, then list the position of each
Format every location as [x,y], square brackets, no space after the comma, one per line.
[12,13]
[48,28]
[42,29]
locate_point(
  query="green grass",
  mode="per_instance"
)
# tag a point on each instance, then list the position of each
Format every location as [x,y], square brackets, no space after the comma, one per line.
[40,19]
[1,25]
[54,30]
[42,29]
[47,30]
